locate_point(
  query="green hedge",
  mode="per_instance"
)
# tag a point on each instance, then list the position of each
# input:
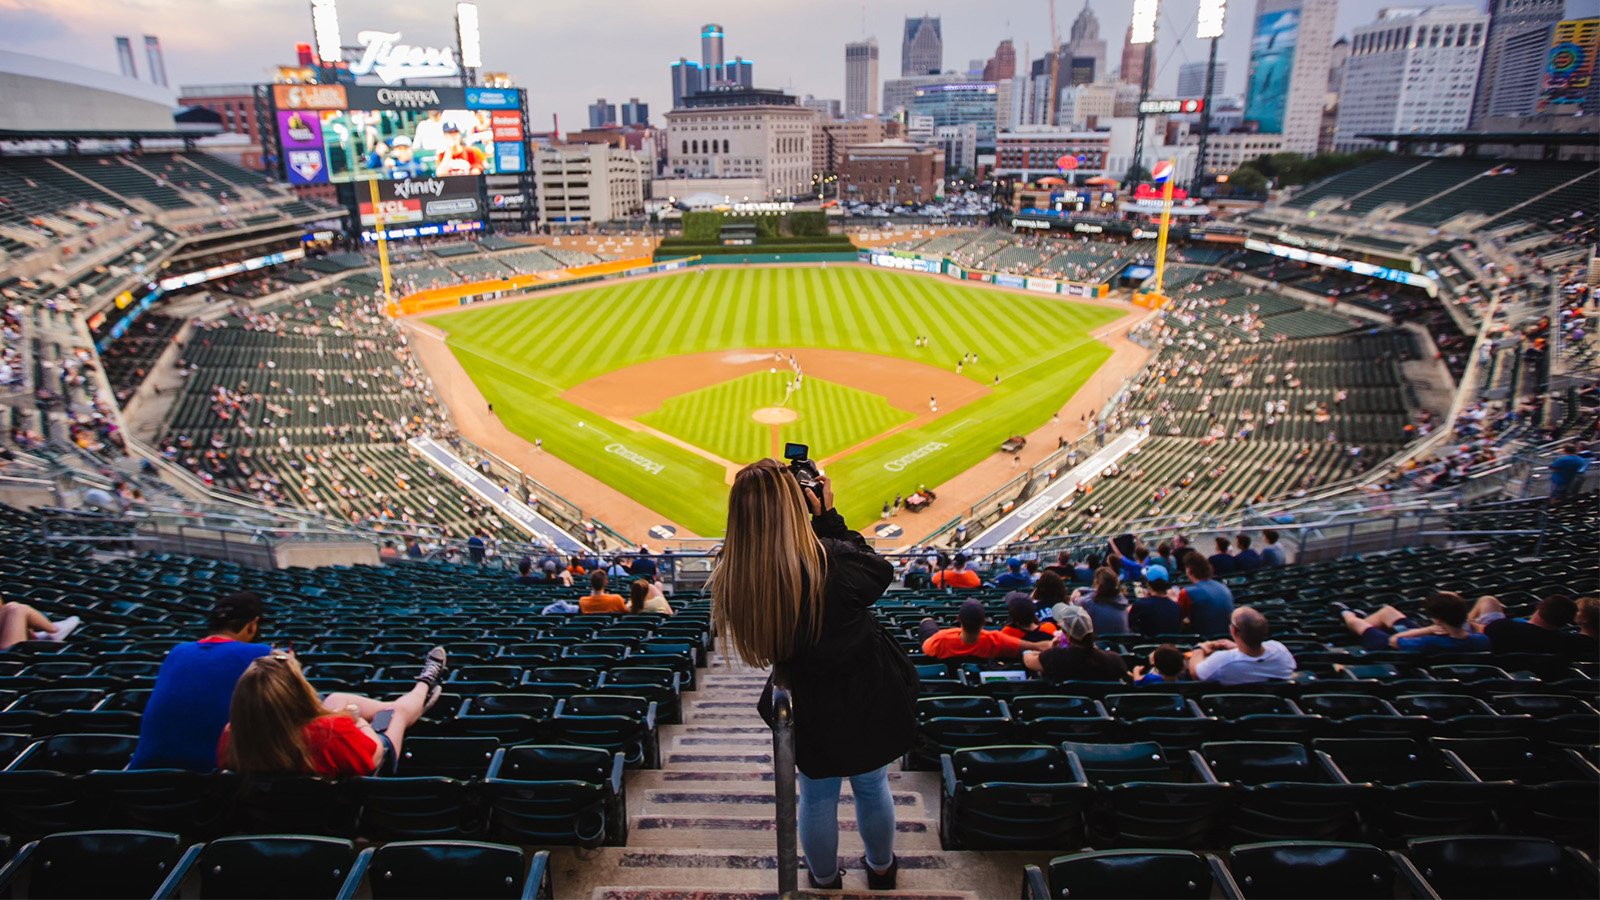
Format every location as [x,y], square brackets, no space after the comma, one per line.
[702,226]
[808,223]
[679,247]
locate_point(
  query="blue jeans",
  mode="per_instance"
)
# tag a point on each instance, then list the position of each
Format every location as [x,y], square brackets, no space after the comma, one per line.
[819,821]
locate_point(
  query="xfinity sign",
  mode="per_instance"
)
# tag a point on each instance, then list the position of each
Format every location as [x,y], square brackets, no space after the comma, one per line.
[384,56]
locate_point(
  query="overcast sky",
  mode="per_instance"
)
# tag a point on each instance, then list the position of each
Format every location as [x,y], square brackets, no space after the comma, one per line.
[566,53]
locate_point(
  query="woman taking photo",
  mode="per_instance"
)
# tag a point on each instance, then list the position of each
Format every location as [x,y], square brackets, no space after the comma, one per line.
[795,587]
[279,726]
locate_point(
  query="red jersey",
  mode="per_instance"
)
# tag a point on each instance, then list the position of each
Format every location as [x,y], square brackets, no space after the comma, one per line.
[335,745]
[947,643]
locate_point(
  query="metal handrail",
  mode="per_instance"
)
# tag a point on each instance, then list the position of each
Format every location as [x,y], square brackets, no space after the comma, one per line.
[784,784]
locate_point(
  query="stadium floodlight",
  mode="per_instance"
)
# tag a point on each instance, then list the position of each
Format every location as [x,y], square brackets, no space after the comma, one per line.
[467,34]
[1211,16]
[325,26]
[1144,21]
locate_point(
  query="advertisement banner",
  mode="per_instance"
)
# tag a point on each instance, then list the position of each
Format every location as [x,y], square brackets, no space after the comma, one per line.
[509,157]
[1042,285]
[493,98]
[310,96]
[507,126]
[1271,67]
[1569,71]
[423,200]
[1072,289]
[978,276]
[303,159]
[1010,281]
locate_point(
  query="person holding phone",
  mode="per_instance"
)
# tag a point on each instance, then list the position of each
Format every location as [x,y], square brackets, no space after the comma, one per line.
[279,726]
[794,587]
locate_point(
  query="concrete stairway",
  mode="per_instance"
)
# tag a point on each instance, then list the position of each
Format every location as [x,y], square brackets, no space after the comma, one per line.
[703,825]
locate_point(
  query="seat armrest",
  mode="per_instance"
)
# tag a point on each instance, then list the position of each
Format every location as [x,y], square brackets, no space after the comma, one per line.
[650,716]
[174,880]
[1331,767]
[495,763]
[1076,765]
[9,871]
[1202,769]
[1224,878]
[1034,887]
[537,886]
[617,764]
[1412,876]
[948,767]
[358,872]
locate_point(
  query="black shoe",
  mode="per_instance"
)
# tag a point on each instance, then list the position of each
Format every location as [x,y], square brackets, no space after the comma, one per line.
[432,675]
[835,885]
[1339,606]
[884,881]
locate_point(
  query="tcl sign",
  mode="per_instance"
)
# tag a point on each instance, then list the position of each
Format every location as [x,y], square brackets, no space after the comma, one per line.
[1167,107]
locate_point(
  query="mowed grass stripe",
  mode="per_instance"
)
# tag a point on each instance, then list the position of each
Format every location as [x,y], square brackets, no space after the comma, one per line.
[522,356]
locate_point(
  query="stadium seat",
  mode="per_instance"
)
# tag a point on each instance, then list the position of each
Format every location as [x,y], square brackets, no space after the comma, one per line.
[620,723]
[76,754]
[1143,800]
[278,865]
[420,808]
[421,870]
[1419,790]
[949,723]
[1494,866]
[293,804]
[461,758]
[1010,797]
[1284,791]
[188,803]
[96,864]
[556,795]
[1053,718]
[1130,874]
[1323,870]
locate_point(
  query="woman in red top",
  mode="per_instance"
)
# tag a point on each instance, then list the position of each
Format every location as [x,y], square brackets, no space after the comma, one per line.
[279,726]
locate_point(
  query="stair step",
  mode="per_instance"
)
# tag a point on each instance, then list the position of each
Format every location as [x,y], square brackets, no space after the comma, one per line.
[708,802]
[758,832]
[674,893]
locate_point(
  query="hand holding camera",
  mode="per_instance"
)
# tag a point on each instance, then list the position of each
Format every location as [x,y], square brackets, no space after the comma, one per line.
[815,485]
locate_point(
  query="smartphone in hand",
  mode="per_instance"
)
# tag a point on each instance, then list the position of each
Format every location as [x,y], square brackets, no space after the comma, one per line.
[380,722]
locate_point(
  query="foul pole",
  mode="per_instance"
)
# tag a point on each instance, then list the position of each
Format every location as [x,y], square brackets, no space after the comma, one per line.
[1166,223]
[383,243]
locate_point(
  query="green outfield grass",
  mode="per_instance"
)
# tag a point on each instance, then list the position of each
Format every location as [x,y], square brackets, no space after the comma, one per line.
[832,417]
[523,355]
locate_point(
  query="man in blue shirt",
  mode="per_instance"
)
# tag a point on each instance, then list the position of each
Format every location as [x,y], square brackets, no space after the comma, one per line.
[1013,579]
[194,690]
[1207,603]
[1272,554]
[1222,562]
[1566,474]
[1390,629]
[1246,560]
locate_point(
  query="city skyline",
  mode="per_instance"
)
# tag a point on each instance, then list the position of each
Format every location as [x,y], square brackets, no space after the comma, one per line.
[541,48]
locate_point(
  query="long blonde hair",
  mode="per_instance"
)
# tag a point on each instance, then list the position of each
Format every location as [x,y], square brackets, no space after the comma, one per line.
[766,591]
[272,704]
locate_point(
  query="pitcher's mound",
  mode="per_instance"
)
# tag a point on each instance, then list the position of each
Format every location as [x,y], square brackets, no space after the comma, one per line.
[774,415]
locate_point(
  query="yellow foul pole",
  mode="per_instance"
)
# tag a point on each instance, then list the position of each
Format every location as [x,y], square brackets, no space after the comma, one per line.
[1161,237]
[383,243]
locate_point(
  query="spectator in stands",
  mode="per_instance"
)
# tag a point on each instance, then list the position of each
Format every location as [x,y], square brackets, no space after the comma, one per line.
[643,566]
[20,622]
[413,548]
[1166,664]
[477,547]
[1075,657]
[1546,631]
[561,607]
[968,639]
[1155,612]
[1163,558]
[799,593]
[1013,578]
[525,574]
[1206,603]
[1566,474]
[918,574]
[189,704]
[1246,560]
[1389,628]
[1248,658]
[388,552]
[1107,606]
[598,600]
[644,596]
[1588,618]
[1272,555]
[1222,562]
[1022,622]
[277,725]
[1048,591]
[958,576]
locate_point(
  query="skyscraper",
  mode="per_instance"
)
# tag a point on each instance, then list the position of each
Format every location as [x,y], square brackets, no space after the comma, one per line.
[1413,70]
[1084,40]
[922,51]
[125,61]
[635,113]
[1509,20]
[861,78]
[1132,69]
[602,113]
[1290,54]
[152,55]
[713,69]
[711,59]
[1192,79]
[687,78]
[1003,64]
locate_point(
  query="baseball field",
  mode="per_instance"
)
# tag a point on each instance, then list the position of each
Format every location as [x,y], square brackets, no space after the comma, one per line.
[661,387]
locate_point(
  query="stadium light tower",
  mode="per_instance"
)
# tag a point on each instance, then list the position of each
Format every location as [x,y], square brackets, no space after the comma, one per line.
[1209,26]
[325,28]
[467,43]
[1142,30]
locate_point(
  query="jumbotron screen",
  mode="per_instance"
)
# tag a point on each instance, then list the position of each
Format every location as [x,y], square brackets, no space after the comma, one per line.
[341,133]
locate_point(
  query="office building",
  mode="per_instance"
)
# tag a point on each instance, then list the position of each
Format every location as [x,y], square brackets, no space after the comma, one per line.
[602,113]
[1192,79]
[1031,152]
[1573,96]
[713,69]
[1133,55]
[1003,64]
[1085,42]
[152,56]
[959,103]
[1413,70]
[711,57]
[687,78]
[1290,54]
[758,138]
[922,49]
[597,182]
[899,92]
[861,78]
[125,61]
[1505,57]
[827,109]
[1087,105]
[635,113]
[891,172]
[830,139]
[959,143]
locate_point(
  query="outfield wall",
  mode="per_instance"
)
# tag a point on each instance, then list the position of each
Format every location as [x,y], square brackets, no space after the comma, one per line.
[438,299]
[908,261]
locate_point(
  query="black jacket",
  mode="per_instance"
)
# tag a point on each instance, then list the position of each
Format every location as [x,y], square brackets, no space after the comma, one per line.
[854,690]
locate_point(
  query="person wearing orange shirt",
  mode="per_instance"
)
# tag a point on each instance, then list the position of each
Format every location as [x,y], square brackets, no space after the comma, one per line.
[958,576]
[598,600]
[970,640]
